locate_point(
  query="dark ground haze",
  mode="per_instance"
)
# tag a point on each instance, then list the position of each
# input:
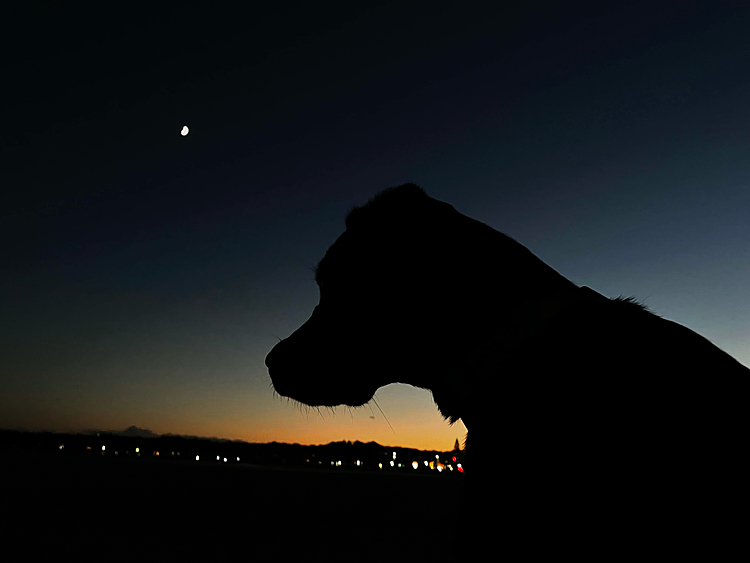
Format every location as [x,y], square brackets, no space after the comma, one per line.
[98,508]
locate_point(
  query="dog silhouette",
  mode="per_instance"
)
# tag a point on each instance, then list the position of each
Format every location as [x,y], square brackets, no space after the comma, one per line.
[595,427]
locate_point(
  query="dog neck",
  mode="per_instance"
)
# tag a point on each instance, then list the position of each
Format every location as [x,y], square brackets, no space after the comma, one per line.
[519,326]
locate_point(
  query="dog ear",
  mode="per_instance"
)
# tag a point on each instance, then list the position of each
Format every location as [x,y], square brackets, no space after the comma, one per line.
[404,206]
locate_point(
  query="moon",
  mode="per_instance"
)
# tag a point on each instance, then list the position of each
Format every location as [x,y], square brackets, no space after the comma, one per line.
[185,130]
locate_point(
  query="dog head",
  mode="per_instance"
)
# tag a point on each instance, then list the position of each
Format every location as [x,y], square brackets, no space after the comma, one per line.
[403,291]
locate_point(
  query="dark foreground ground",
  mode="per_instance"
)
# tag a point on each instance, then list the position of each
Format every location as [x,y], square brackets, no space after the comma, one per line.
[104,508]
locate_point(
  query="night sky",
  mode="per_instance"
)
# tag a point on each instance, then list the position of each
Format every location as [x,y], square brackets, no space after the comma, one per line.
[145,275]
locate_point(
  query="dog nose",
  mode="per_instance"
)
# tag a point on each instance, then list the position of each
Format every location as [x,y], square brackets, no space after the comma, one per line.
[279,359]
[271,356]
[281,370]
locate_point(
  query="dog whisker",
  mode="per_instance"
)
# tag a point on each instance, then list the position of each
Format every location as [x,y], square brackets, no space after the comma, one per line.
[381,412]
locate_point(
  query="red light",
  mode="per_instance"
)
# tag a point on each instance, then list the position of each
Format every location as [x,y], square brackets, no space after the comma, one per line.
[454,458]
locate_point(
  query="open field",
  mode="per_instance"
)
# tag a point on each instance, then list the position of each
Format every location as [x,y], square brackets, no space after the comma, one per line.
[104,507]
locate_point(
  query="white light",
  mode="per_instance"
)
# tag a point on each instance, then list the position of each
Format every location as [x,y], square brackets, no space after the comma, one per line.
[415,464]
[217,458]
[392,463]
[185,130]
[62,446]
[225,460]
[238,459]
[197,458]
[394,455]
[102,448]
[137,450]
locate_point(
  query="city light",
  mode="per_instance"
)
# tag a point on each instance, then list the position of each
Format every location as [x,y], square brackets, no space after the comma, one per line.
[392,463]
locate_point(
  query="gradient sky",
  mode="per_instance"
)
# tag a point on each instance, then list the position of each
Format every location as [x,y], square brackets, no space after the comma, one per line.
[146,275]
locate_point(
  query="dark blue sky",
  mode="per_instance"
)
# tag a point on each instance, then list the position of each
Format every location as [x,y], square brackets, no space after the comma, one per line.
[147,274]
